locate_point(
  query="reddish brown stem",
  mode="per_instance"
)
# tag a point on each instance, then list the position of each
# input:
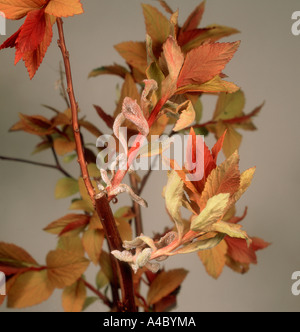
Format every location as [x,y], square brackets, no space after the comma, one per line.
[115,243]
[101,203]
[74,109]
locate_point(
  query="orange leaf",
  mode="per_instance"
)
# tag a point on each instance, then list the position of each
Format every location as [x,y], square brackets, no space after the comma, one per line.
[134,53]
[73,297]
[64,8]
[164,284]
[194,19]
[92,242]
[16,9]
[65,267]
[36,124]
[63,146]
[214,259]
[15,254]
[205,62]
[30,288]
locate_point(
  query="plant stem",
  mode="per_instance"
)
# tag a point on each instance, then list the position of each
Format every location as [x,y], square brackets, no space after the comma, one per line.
[136,207]
[25,161]
[98,293]
[101,203]
[115,243]
[144,181]
[74,109]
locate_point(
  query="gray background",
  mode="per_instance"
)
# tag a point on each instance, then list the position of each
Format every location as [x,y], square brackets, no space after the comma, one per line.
[266,67]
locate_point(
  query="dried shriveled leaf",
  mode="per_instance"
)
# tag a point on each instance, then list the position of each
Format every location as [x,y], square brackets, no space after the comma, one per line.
[92,241]
[71,224]
[205,62]
[214,259]
[65,267]
[64,8]
[74,296]
[164,284]
[66,187]
[213,212]
[30,288]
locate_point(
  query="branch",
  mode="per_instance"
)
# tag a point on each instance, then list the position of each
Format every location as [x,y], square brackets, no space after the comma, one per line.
[115,243]
[25,161]
[101,203]
[98,293]
[74,109]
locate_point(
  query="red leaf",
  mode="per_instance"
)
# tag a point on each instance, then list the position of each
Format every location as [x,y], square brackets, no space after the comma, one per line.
[235,220]
[205,62]
[75,225]
[195,18]
[239,251]
[10,270]
[218,147]
[259,244]
[187,36]
[33,59]
[11,41]
[108,119]
[32,31]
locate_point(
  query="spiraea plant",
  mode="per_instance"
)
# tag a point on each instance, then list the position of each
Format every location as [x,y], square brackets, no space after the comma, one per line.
[165,77]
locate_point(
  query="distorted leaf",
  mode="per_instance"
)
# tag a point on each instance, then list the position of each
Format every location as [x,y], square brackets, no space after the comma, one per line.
[187,116]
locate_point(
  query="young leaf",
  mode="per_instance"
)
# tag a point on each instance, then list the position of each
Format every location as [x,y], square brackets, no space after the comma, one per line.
[164,284]
[232,230]
[201,245]
[30,288]
[65,267]
[66,187]
[187,116]
[74,296]
[92,241]
[157,25]
[174,196]
[195,18]
[213,212]
[64,8]
[205,62]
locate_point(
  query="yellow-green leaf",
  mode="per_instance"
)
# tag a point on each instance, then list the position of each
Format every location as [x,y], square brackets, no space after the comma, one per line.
[66,187]
[71,243]
[213,212]
[164,284]
[232,230]
[232,139]
[187,115]
[73,297]
[245,181]
[229,106]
